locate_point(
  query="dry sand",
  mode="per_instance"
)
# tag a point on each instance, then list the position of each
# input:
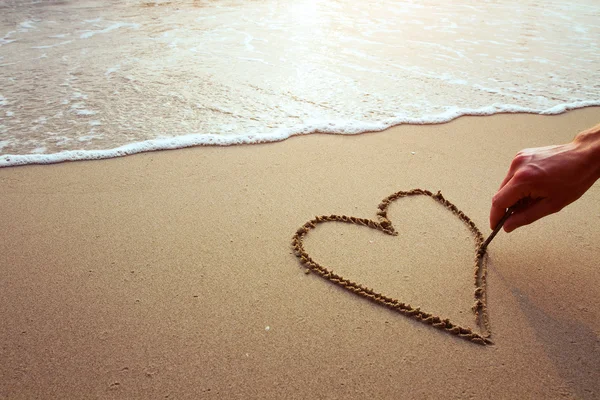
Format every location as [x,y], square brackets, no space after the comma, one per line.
[171,275]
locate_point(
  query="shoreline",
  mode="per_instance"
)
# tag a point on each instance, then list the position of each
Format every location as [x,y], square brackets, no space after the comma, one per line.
[348,128]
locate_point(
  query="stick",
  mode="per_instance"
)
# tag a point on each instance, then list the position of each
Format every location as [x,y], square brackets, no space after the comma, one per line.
[509,211]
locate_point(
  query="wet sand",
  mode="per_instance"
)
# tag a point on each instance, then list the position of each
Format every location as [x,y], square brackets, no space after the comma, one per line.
[171,274]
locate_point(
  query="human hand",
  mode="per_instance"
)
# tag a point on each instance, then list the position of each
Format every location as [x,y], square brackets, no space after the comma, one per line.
[552,177]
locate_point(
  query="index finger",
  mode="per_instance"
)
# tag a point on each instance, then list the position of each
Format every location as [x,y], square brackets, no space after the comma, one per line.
[507,196]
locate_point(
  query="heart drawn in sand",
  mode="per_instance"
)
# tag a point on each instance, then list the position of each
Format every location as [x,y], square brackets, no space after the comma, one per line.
[385,225]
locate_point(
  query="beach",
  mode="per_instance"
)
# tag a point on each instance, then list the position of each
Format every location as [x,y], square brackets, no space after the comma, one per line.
[171,274]
[285,200]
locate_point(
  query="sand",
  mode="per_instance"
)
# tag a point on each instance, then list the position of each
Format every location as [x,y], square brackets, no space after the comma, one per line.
[171,274]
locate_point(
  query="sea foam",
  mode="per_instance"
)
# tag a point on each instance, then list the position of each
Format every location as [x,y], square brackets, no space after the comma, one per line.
[175,75]
[338,127]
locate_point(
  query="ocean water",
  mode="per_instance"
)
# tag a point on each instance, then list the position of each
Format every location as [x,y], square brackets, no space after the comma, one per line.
[87,79]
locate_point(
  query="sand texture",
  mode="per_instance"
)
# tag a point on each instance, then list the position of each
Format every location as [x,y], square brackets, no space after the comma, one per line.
[386,226]
[172,274]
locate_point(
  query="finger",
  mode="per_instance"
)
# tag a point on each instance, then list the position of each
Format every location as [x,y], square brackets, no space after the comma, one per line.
[507,178]
[504,198]
[496,215]
[513,191]
[532,213]
[516,163]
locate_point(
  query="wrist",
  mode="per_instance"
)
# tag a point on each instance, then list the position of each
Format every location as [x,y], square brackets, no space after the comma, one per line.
[588,142]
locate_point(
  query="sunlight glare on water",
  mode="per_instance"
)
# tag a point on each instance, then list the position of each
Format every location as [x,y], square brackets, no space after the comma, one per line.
[102,78]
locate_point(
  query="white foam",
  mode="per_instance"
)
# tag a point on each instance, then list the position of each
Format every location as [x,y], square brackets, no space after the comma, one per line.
[249,72]
[79,107]
[89,33]
[332,127]
[25,26]
[52,45]
[86,138]
[260,60]
[112,70]
[84,112]
[5,40]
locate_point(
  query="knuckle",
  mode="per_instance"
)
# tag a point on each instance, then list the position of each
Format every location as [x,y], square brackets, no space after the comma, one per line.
[520,158]
[526,174]
[496,201]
